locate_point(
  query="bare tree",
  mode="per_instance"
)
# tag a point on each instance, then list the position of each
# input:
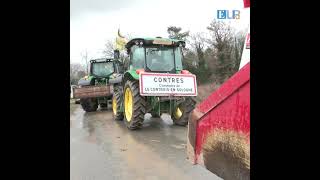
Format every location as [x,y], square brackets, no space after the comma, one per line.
[222,39]
[77,71]
[109,48]
[198,45]
[222,34]
[175,33]
[85,58]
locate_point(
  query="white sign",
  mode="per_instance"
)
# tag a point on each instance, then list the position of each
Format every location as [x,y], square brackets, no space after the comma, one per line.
[160,84]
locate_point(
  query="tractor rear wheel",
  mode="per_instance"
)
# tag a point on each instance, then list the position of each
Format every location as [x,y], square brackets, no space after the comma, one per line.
[89,104]
[116,103]
[134,105]
[180,115]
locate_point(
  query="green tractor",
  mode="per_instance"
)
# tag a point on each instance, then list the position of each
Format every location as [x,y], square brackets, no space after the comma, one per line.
[95,89]
[154,82]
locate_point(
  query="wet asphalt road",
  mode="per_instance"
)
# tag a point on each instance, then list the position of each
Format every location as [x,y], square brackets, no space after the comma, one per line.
[103,149]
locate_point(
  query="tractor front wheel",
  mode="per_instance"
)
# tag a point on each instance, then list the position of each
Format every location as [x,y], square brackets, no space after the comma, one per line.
[181,113]
[134,105]
[89,104]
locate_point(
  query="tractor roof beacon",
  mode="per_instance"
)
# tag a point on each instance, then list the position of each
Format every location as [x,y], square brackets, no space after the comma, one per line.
[158,63]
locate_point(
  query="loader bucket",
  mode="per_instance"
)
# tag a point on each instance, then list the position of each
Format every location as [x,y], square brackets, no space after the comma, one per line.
[219,129]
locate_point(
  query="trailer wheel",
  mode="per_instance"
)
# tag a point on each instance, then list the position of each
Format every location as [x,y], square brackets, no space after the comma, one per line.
[134,105]
[180,115]
[116,103]
[89,104]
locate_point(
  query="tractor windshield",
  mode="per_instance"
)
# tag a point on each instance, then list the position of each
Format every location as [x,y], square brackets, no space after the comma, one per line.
[163,58]
[102,69]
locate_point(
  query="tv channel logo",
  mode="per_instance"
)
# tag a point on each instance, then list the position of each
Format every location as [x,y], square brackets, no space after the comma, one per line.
[228,14]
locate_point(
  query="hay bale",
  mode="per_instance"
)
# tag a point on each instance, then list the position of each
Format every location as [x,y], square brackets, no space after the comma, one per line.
[227,154]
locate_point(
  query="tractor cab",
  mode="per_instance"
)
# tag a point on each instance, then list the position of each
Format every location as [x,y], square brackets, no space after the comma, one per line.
[105,69]
[101,68]
[155,55]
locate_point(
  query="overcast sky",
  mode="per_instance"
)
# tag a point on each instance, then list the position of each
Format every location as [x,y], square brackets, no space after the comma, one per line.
[93,22]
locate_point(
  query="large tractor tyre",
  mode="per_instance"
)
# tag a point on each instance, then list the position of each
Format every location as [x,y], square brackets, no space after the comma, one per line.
[180,115]
[116,103]
[134,105]
[89,104]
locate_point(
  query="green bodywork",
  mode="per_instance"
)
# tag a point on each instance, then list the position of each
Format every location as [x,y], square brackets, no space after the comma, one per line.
[132,73]
[155,105]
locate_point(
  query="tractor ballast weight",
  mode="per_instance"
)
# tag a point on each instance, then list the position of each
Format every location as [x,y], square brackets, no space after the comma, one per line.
[154,82]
